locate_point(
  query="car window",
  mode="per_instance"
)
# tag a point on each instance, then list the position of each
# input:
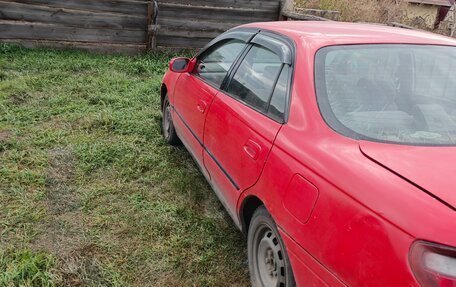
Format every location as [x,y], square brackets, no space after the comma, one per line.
[254,81]
[395,93]
[215,63]
[277,106]
[434,74]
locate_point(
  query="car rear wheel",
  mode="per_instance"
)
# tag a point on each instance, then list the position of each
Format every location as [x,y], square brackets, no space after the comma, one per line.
[268,260]
[169,133]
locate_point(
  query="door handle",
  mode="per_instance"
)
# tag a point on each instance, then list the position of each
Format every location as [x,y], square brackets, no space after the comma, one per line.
[201,106]
[252,149]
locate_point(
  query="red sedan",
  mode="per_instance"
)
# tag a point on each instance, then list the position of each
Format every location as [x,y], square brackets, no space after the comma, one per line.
[331,145]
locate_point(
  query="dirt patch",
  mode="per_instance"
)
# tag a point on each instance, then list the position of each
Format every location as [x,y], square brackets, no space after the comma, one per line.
[5,137]
[82,268]
[60,193]
[19,98]
[63,232]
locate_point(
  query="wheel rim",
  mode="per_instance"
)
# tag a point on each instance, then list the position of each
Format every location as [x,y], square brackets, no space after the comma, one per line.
[166,120]
[268,257]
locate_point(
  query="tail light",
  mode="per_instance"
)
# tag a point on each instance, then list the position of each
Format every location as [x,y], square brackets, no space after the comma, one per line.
[434,265]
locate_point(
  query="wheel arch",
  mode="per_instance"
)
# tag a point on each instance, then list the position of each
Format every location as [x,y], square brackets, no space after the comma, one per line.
[248,207]
[163,93]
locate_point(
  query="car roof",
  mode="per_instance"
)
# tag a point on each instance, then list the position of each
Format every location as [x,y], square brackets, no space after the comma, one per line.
[326,33]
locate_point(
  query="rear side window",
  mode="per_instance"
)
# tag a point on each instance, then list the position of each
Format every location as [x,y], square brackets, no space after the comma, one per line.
[213,65]
[277,106]
[255,79]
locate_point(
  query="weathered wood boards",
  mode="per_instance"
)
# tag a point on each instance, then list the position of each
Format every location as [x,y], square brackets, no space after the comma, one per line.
[131,7]
[193,23]
[40,31]
[129,49]
[110,25]
[69,17]
[94,25]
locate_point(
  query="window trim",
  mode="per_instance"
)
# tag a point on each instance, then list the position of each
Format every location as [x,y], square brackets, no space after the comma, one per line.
[292,46]
[275,39]
[276,46]
[234,34]
[243,34]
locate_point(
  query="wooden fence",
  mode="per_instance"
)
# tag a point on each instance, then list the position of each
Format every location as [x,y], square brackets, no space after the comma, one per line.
[126,26]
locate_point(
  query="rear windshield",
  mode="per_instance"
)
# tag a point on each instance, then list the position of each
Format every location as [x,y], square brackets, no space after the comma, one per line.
[392,93]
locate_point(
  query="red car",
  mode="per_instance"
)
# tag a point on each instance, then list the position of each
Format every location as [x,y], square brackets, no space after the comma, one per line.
[331,145]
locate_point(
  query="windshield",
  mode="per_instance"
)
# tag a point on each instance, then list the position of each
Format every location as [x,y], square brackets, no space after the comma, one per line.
[394,93]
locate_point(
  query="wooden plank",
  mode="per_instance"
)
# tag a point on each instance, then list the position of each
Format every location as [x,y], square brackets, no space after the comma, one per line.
[69,17]
[103,48]
[188,33]
[35,31]
[272,5]
[181,42]
[216,13]
[130,7]
[197,25]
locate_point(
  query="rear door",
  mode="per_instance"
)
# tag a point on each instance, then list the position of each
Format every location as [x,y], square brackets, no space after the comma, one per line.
[195,91]
[246,116]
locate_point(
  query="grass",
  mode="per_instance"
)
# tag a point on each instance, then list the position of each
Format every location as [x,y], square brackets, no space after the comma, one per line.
[90,194]
[23,267]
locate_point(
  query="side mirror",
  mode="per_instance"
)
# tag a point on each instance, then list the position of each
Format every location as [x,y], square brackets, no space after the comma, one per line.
[181,65]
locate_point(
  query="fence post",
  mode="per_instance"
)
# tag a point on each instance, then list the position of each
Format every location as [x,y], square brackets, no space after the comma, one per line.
[453,24]
[285,5]
[152,13]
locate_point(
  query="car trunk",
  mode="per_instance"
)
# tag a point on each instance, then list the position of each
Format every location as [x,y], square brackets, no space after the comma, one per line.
[433,169]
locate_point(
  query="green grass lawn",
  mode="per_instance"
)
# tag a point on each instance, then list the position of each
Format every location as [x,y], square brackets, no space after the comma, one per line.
[90,194]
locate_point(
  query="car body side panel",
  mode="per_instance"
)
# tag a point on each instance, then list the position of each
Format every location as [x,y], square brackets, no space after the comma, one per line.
[237,140]
[191,102]
[351,241]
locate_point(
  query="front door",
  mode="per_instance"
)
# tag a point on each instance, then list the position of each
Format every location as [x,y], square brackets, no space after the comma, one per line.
[195,91]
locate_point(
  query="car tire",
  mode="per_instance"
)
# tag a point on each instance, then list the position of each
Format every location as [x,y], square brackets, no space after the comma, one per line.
[268,260]
[168,130]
